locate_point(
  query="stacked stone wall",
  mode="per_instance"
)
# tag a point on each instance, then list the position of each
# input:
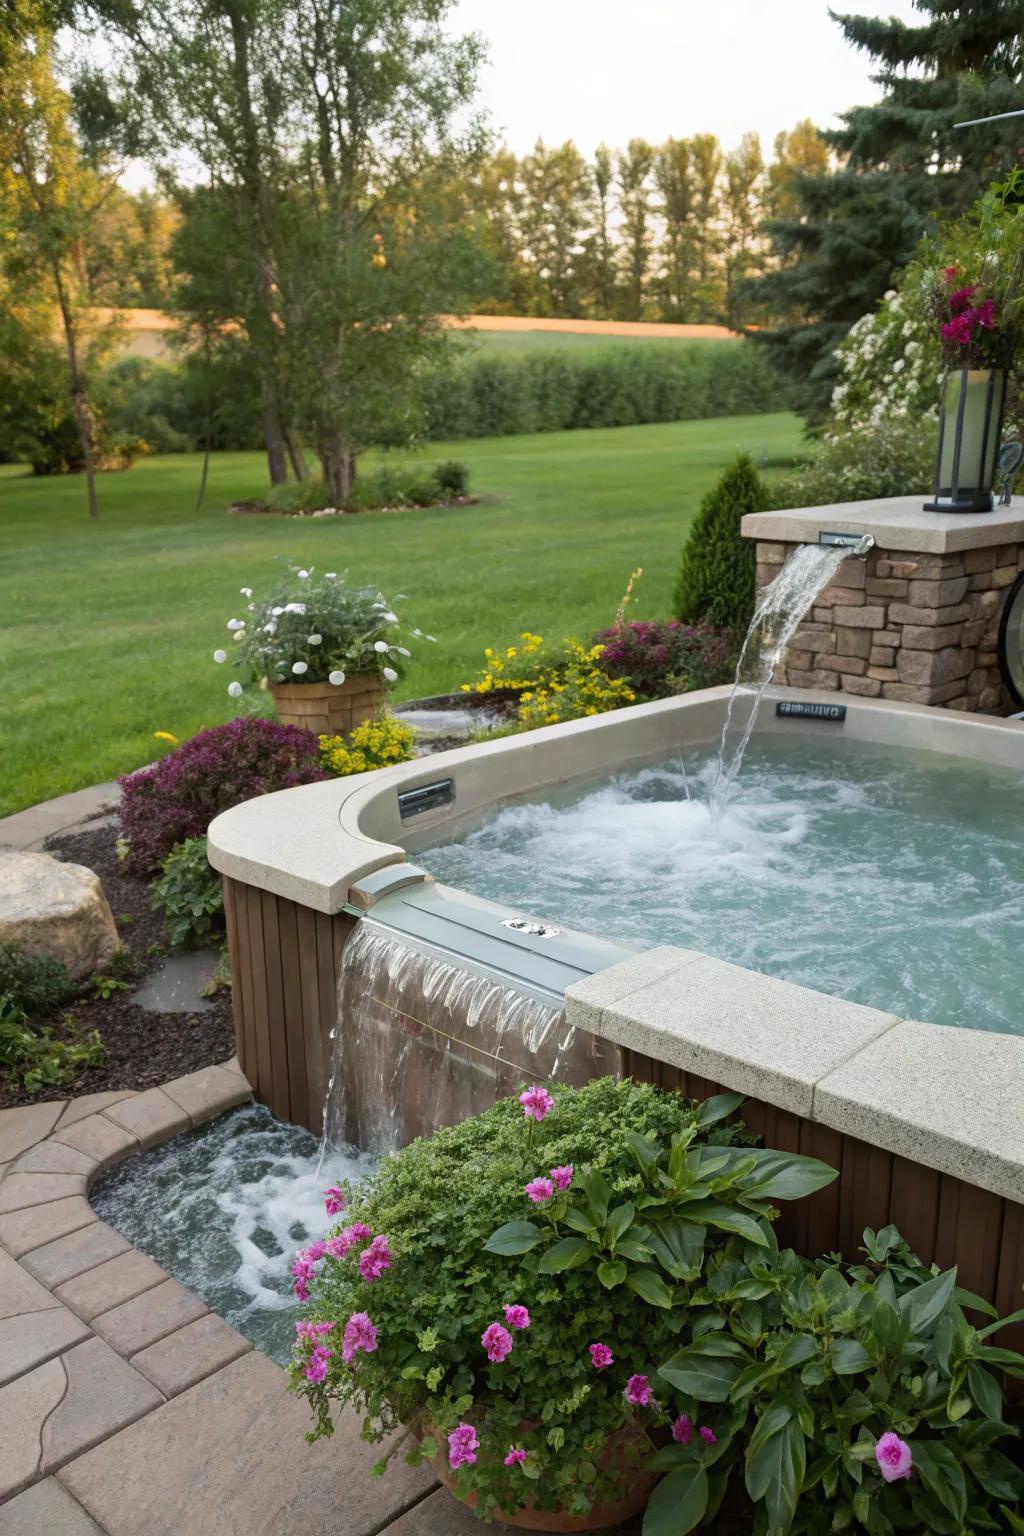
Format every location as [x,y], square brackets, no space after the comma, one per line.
[922,628]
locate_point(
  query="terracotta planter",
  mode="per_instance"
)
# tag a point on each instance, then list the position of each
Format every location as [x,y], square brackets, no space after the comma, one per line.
[327,708]
[637,1487]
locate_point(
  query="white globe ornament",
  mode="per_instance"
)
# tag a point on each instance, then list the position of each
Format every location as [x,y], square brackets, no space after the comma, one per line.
[316,639]
[298,667]
[234,690]
[337,678]
[381,647]
[220,656]
[390,674]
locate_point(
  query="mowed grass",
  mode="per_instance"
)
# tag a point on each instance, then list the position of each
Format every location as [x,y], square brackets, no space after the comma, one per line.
[107,629]
[519,343]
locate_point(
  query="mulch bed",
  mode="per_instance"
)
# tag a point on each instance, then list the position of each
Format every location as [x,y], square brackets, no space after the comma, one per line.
[144,1049]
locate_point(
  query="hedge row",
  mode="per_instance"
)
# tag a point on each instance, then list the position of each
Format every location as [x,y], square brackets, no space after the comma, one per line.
[624,387]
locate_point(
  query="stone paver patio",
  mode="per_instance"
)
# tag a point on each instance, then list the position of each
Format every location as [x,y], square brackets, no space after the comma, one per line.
[127,1407]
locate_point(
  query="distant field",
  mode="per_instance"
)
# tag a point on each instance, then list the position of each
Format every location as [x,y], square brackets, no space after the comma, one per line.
[106,630]
[509,343]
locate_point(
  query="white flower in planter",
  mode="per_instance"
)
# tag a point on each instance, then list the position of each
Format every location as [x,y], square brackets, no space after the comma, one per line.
[234,690]
[220,656]
[276,612]
[401,650]
[293,608]
[337,678]
[316,639]
[298,667]
[381,647]
[390,674]
[236,624]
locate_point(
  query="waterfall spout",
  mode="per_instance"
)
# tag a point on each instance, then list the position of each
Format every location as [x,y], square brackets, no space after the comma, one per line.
[780,607]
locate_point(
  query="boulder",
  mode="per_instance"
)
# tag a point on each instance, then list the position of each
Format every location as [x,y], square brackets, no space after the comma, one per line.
[53,908]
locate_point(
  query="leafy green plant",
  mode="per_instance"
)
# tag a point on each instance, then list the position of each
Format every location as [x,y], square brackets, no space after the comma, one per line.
[861,1390]
[104,987]
[718,568]
[37,1057]
[33,984]
[189,894]
[452,477]
[527,1268]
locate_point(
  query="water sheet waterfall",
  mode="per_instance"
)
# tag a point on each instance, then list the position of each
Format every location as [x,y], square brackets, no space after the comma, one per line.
[780,608]
[420,1042]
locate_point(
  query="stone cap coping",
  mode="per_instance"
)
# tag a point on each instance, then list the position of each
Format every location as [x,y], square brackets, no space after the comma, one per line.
[894,522]
[315,843]
[945,1097]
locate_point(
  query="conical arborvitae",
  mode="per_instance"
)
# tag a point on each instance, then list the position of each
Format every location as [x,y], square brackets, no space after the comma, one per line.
[717,573]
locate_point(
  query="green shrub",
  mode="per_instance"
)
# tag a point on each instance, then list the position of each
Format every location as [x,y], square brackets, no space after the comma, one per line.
[892,458]
[556,391]
[452,477]
[298,496]
[718,570]
[35,985]
[189,894]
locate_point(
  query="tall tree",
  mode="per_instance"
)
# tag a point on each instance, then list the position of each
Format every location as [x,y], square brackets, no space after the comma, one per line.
[742,212]
[554,219]
[706,161]
[901,165]
[49,200]
[633,169]
[673,175]
[599,266]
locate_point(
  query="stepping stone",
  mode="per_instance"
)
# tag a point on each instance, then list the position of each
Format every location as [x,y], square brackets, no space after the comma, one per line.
[53,908]
[47,1509]
[228,1456]
[176,984]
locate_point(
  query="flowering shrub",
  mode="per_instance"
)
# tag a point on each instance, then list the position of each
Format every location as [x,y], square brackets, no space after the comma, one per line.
[518,1350]
[861,1390]
[315,629]
[578,686]
[889,364]
[513,669]
[178,797]
[894,458]
[374,744]
[660,659]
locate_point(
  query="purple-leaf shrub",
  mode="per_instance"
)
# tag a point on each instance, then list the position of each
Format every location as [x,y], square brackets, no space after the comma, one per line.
[178,797]
[661,658]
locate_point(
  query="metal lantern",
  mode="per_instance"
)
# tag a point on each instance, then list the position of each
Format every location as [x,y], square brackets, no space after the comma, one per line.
[969,427]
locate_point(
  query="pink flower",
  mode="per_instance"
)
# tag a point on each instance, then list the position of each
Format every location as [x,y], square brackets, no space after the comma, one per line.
[600,1356]
[497,1341]
[960,300]
[536,1102]
[316,1251]
[334,1200]
[360,1334]
[517,1316]
[539,1190]
[707,1435]
[638,1391]
[346,1240]
[462,1446]
[373,1261]
[301,1290]
[985,314]
[562,1176]
[316,1370]
[310,1332]
[514,1455]
[958,331]
[950,275]
[894,1457]
[682,1429]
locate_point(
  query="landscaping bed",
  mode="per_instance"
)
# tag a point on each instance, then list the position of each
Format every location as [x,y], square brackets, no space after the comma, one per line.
[143,1048]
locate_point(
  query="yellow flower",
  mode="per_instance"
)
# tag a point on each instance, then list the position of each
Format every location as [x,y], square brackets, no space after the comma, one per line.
[166,736]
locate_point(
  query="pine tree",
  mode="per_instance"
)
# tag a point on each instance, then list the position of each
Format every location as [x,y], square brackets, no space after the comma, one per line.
[900,167]
[718,568]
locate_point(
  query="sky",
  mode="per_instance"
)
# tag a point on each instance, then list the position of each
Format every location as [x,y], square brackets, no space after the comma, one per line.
[611,70]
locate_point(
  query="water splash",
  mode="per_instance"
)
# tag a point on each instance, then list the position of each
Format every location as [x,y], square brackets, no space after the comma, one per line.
[780,607]
[421,1042]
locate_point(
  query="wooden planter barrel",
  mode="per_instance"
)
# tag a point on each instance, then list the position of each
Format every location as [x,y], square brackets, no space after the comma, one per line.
[330,709]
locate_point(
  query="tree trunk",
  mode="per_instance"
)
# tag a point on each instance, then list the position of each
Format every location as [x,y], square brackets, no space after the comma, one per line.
[79,398]
[273,437]
[338,463]
[296,455]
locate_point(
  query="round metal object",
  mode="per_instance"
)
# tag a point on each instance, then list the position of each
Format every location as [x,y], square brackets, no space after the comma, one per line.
[535,930]
[1011,641]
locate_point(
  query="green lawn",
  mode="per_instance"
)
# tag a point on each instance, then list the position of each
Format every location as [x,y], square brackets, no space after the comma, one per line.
[106,630]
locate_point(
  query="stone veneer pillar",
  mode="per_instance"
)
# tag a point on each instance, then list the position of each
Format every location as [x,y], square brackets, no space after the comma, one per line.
[918,621]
